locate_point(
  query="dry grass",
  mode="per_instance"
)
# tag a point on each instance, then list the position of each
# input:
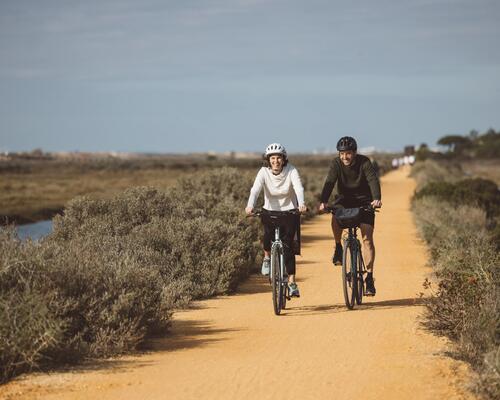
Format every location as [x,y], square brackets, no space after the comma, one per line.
[41,193]
[486,169]
[458,221]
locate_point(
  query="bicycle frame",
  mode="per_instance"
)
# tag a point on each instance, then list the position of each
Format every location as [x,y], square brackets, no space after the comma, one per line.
[353,241]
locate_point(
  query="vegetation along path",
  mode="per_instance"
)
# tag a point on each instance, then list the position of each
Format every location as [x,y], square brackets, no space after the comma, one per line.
[235,347]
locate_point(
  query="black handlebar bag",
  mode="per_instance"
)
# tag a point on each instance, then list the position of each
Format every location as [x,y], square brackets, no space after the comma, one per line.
[288,222]
[348,217]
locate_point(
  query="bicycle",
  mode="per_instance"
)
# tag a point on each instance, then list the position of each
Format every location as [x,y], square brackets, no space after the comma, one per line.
[353,265]
[277,276]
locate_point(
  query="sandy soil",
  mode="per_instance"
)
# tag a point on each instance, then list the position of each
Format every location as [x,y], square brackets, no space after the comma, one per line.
[235,347]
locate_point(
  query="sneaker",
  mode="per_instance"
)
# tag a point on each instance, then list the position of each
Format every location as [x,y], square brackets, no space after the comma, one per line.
[266,266]
[370,286]
[337,255]
[293,290]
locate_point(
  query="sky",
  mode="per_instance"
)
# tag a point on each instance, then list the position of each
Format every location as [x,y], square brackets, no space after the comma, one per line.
[234,75]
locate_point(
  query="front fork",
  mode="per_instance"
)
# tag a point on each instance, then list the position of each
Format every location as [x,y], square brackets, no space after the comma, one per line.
[282,256]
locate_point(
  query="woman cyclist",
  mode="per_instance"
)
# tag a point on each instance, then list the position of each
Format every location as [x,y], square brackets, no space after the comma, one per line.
[283,191]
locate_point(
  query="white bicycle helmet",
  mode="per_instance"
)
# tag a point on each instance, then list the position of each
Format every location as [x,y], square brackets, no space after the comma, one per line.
[275,148]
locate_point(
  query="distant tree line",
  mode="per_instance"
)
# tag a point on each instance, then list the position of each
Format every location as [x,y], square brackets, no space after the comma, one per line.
[486,145]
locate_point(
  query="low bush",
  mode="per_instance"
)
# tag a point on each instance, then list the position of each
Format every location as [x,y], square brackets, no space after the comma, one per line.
[478,192]
[465,305]
[428,171]
[28,328]
[113,271]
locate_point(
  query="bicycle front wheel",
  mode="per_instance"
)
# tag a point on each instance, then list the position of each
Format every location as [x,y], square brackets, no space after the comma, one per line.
[349,278]
[284,294]
[276,280]
[360,283]
[284,285]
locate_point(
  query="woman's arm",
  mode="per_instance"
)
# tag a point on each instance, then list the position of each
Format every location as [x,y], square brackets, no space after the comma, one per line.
[255,191]
[298,188]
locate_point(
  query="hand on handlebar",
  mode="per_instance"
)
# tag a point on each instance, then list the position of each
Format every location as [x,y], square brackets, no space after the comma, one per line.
[376,203]
[302,208]
[249,210]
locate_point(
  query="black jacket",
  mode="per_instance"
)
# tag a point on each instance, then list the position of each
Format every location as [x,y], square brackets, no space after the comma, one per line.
[357,184]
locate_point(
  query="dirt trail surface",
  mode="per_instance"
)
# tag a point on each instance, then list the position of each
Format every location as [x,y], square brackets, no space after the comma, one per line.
[234,347]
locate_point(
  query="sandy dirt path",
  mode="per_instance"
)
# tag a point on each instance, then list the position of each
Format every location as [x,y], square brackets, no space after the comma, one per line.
[235,347]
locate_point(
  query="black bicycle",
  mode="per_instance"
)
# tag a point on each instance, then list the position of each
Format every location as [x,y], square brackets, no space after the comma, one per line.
[277,275]
[353,265]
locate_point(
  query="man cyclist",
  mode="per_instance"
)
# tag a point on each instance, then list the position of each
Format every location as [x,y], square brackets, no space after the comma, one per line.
[283,191]
[358,186]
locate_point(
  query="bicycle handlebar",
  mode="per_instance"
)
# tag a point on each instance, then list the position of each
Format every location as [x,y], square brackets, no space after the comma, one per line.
[258,213]
[366,208]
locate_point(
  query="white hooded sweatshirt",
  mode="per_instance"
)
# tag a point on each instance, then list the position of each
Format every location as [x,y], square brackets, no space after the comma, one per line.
[282,192]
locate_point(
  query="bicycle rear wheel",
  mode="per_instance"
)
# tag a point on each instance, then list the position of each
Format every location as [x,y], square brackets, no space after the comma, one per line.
[349,278]
[276,281]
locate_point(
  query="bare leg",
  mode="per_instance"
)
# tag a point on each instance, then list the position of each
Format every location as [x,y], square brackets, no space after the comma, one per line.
[337,230]
[368,246]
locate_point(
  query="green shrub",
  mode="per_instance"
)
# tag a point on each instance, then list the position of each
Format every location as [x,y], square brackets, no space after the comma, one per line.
[113,271]
[436,171]
[465,305]
[28,328]
[476,192]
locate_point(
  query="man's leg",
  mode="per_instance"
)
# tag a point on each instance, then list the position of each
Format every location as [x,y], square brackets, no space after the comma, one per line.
[368,257]
[368,246]
[337,235]
[337,230]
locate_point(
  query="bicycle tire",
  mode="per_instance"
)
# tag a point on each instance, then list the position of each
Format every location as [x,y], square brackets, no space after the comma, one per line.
[275,280]
[360,283]
[284,286]
[349,280]
[284,296]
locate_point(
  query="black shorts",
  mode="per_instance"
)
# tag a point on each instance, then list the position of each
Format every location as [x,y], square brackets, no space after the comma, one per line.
[367,217]
[289,234]
[289,228]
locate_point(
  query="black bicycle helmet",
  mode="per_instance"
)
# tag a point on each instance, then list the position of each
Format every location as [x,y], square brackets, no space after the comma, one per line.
[347,143]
